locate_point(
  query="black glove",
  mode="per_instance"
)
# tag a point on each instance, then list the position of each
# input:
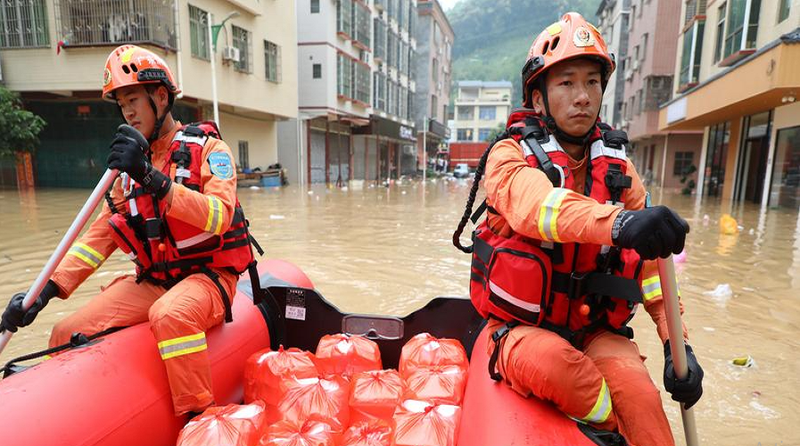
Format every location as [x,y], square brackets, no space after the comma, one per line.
[15,317]
[128,155]
[688,390]
[652,232]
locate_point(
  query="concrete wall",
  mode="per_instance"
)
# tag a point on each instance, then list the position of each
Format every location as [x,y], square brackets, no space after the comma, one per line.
[292,136]
[262,138]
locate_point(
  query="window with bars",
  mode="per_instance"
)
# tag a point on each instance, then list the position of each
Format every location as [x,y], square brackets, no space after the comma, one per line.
[23,24]
[112,22]
[198,32]
[362,82]
[244,154]
[316,71]
[362,16]
[682,162]
[344,17]
[379,29]
[344,76]
[390,93]
[272,60]
[243,41]
[379,85]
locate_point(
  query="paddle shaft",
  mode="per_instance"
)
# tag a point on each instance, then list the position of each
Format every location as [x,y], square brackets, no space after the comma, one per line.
[669,288]
[71,235]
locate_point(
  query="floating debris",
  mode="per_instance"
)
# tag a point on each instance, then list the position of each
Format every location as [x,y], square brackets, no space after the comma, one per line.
[744,361]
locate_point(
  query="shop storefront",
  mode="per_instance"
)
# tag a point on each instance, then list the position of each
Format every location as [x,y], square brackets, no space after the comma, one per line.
[385,149]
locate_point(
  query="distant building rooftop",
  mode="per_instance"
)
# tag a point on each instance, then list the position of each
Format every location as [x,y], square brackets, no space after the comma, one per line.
[485,84]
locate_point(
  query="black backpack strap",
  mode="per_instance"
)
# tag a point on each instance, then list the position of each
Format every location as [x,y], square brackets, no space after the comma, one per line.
[224,294]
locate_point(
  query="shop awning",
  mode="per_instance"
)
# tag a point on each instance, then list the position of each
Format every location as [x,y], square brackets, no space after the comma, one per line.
[760,82]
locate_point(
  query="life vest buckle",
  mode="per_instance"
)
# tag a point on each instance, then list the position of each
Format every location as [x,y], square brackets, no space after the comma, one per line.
[577,285]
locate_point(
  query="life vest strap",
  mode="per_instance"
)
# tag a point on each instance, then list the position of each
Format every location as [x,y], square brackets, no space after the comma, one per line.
[497,337]
[576,285]
[225,298]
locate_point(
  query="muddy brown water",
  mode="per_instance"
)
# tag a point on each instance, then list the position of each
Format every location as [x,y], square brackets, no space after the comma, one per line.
[388,251]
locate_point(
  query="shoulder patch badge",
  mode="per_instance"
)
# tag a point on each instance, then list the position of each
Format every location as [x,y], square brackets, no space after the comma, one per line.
[221,165]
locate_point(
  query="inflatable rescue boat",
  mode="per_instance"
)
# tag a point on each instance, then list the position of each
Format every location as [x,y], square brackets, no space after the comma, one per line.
[113,390]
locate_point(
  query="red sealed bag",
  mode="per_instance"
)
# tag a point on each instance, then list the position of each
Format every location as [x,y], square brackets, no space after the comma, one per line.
[369,433]
[311,432]
[322,397]
[264,372]
[231,425]
[424,350]
[340,354]
[437,384]
[423,424]
[375,394]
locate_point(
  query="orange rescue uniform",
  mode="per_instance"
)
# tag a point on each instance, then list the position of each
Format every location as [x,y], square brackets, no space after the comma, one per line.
[605,383]
[180,316]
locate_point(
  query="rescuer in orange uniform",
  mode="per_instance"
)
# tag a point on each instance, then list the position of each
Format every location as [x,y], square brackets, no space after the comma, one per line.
[181,295]
[535,256]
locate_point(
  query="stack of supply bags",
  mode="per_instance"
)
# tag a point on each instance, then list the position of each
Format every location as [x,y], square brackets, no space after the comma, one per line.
[341,396]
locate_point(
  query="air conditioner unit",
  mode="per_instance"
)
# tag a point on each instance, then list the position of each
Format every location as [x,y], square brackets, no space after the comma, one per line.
[231,53]
[636,65]
[628,75]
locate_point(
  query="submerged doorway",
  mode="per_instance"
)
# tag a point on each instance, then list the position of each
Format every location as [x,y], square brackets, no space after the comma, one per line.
[751,170]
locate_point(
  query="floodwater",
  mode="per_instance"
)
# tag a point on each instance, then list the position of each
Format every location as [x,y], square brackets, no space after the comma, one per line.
[388,250]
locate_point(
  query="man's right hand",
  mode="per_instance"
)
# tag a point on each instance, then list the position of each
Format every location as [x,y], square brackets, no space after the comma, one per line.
[15,316]
[653,232]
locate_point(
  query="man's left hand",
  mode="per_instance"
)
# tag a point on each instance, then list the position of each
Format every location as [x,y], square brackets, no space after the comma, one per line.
[687,390]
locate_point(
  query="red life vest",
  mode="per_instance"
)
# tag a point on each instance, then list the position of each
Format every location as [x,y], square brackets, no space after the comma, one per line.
[572,289]
[166,250]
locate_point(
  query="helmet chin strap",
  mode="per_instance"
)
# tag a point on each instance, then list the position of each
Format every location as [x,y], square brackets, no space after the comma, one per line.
[553,127]
[159,120]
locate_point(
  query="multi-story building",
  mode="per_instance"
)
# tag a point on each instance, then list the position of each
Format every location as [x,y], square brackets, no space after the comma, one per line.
[435,39]
[612,21]
[738,80]
[356,81]
[480,108]
[54,53]
[661,158]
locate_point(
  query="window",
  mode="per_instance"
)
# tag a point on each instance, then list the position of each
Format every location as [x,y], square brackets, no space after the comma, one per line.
[692,52]
[244,154]
[644,46]
[434,104]
[272,58]
[630,22]
[344,17]
[198,32]
[362,82]
[488,113]
[435,71]
[316,71]
[682,162]
[720,32]
[23,24]
[783,10]
[362,22]
[242,41]
[483,134]
[742,31]
[379,81]
[344,76]
[640,101]
[464,134]
[718,140]
[636,56]
[314,6]
[379,31]
[466,113]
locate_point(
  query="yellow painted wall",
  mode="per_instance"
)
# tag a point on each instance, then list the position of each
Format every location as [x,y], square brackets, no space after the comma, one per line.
[262,137]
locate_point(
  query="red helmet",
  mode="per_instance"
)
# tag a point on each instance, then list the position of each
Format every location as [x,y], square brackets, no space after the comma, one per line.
[569,38]
[132,65]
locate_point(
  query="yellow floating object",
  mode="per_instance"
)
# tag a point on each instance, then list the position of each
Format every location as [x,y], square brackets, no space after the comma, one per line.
[727,225]
[744,361]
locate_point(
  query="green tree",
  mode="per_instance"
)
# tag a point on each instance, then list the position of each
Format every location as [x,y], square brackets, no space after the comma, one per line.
[20,128]
[495,132]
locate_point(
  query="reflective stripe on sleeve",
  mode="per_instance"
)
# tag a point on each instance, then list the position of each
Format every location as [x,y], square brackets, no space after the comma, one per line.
[651,287]
[182,346]
[214,223]
[88,254]
[548,214]
[602,407]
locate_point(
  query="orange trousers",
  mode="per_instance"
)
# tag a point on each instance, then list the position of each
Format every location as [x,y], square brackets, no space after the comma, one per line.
[606,384]
[179,318]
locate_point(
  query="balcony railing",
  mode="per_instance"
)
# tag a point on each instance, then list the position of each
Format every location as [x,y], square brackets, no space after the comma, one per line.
[114,22]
